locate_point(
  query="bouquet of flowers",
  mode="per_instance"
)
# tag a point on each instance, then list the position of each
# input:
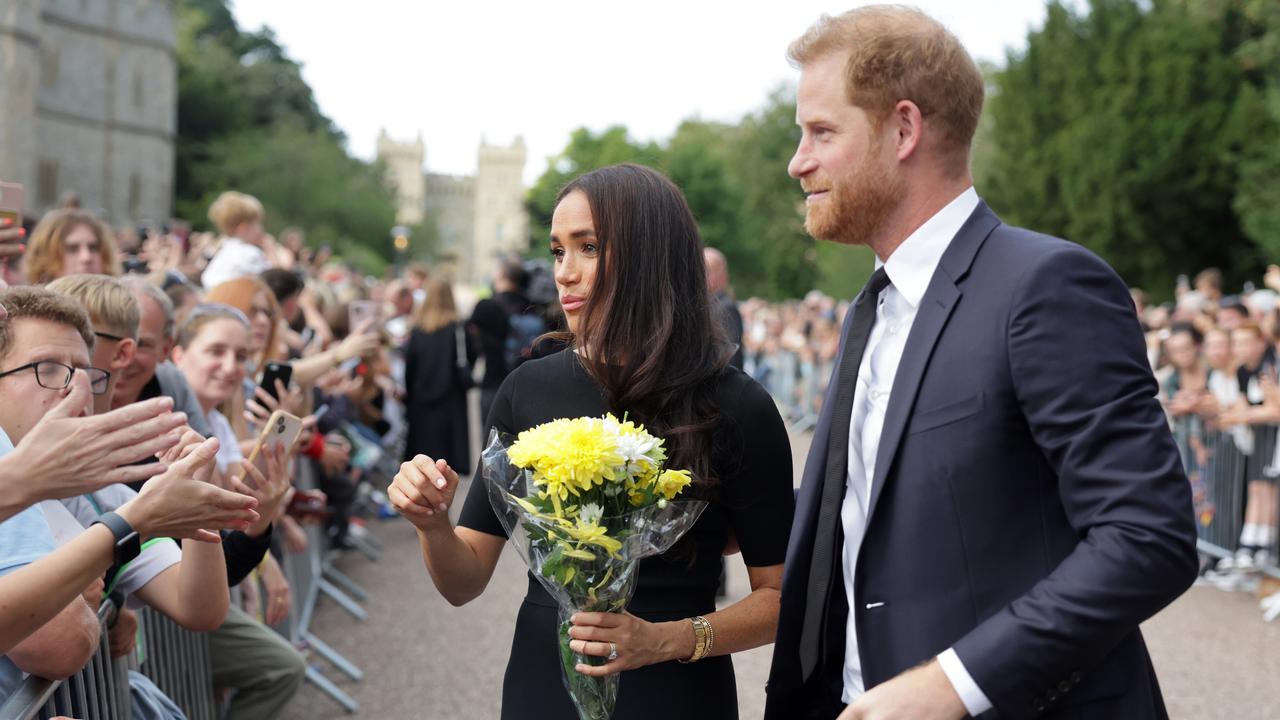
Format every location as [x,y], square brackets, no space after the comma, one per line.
[583,500]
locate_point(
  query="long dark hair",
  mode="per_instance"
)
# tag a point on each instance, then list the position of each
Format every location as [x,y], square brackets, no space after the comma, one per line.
[647,331]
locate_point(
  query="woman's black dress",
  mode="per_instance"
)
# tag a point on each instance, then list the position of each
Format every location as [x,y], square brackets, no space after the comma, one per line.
[436,396]
[752,459]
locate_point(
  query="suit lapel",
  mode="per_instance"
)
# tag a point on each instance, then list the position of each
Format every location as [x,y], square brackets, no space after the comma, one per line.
[935,310]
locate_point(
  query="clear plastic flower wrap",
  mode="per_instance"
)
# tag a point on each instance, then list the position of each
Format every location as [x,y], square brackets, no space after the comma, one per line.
[585,543]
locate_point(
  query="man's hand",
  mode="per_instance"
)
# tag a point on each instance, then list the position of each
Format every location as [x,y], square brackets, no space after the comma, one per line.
[124,634]
[923,693]
[78,455]
[93,594]
[182,503]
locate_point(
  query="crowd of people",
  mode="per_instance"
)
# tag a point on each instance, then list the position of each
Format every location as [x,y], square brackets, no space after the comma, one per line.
[1215,357]
[1214,354]
[141,370]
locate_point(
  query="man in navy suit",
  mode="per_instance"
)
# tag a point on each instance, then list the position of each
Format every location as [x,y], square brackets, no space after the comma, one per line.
[992,502]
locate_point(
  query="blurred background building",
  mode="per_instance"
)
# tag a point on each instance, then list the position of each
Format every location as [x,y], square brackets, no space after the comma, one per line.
[89,106]
[476,217]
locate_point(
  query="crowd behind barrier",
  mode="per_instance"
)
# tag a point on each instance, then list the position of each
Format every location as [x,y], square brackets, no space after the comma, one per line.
[1216,357]
[342,336]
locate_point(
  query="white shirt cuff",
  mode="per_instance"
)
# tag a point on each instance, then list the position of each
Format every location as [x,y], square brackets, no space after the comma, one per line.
[975,701]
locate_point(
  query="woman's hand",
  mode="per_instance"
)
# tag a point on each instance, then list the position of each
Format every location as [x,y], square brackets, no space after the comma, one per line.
[362,341]
[279,599]
[259,410]
[423,490]
[269,488]
[636,642]
[295,537]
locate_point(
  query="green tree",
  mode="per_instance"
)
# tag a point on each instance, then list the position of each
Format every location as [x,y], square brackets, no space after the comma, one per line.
[1258,198]
[248,121]
[586,151]
[1118,128]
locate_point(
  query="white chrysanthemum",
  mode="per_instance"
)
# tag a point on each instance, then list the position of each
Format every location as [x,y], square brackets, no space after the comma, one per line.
[590,514]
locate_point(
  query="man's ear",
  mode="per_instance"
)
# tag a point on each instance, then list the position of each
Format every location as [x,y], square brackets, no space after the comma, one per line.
[124,354]
[908,125]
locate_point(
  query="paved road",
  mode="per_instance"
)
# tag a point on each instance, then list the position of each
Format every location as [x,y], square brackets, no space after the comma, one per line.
[1215,656]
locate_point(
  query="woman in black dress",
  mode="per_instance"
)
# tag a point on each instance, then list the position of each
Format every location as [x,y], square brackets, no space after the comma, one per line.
[437,370]
[630,275]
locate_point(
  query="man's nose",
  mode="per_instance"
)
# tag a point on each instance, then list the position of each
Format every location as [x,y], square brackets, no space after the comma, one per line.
[802,163]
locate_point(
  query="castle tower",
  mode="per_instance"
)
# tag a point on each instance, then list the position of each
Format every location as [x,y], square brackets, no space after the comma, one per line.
[404,163]
[90,104]
[501,223]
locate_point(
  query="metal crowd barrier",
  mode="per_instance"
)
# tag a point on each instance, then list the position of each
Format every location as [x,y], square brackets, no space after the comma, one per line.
[1221,464]
[175,659]
[311,574]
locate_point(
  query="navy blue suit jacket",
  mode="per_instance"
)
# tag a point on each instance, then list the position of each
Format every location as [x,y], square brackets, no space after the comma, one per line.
[1028,507]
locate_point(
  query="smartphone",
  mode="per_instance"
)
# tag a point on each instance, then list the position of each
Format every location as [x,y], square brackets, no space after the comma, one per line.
[12,197]
[281,429]
[276,371]
[361,311]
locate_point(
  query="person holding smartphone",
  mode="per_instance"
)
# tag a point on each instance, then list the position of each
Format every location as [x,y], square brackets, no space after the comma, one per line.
[212,350]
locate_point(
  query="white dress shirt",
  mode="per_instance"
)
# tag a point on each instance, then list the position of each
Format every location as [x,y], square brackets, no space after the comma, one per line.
[910,268]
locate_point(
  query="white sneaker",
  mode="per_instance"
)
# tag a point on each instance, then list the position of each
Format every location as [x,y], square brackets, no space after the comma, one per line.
[1244,560]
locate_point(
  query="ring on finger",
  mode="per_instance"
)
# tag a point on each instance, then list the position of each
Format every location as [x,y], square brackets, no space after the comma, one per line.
[613,651]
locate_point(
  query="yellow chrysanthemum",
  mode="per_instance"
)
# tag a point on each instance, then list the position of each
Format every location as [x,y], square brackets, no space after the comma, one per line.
[590,533]
[569,456]
[673,482]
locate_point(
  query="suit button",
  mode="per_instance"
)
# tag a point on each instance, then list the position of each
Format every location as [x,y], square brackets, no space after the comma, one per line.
[1075,677]
[1039,706]
[1053,696]
[1064,686]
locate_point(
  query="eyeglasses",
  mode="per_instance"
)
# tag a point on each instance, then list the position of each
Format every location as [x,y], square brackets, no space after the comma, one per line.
[108,336]
[54,375]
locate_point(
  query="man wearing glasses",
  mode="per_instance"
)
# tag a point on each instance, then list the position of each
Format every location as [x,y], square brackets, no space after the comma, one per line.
[45,366]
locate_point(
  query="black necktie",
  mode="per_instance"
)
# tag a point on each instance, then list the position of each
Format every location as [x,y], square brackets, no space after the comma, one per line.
[824,540]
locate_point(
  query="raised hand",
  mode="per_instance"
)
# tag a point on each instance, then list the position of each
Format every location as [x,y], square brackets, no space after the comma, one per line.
[363,340]
[269,489]
[77,455]
[423,491]
[182,503]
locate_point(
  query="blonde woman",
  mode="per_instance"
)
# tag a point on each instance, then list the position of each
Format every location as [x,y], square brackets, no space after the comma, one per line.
[70,242]
[438,360]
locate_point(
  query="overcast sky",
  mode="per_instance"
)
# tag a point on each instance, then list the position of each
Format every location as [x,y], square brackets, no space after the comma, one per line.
[459,71]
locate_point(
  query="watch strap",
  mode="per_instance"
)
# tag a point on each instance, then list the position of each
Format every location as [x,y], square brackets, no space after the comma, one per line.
[118,526]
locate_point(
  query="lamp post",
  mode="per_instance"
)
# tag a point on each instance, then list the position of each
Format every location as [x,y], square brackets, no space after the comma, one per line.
[400,235]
